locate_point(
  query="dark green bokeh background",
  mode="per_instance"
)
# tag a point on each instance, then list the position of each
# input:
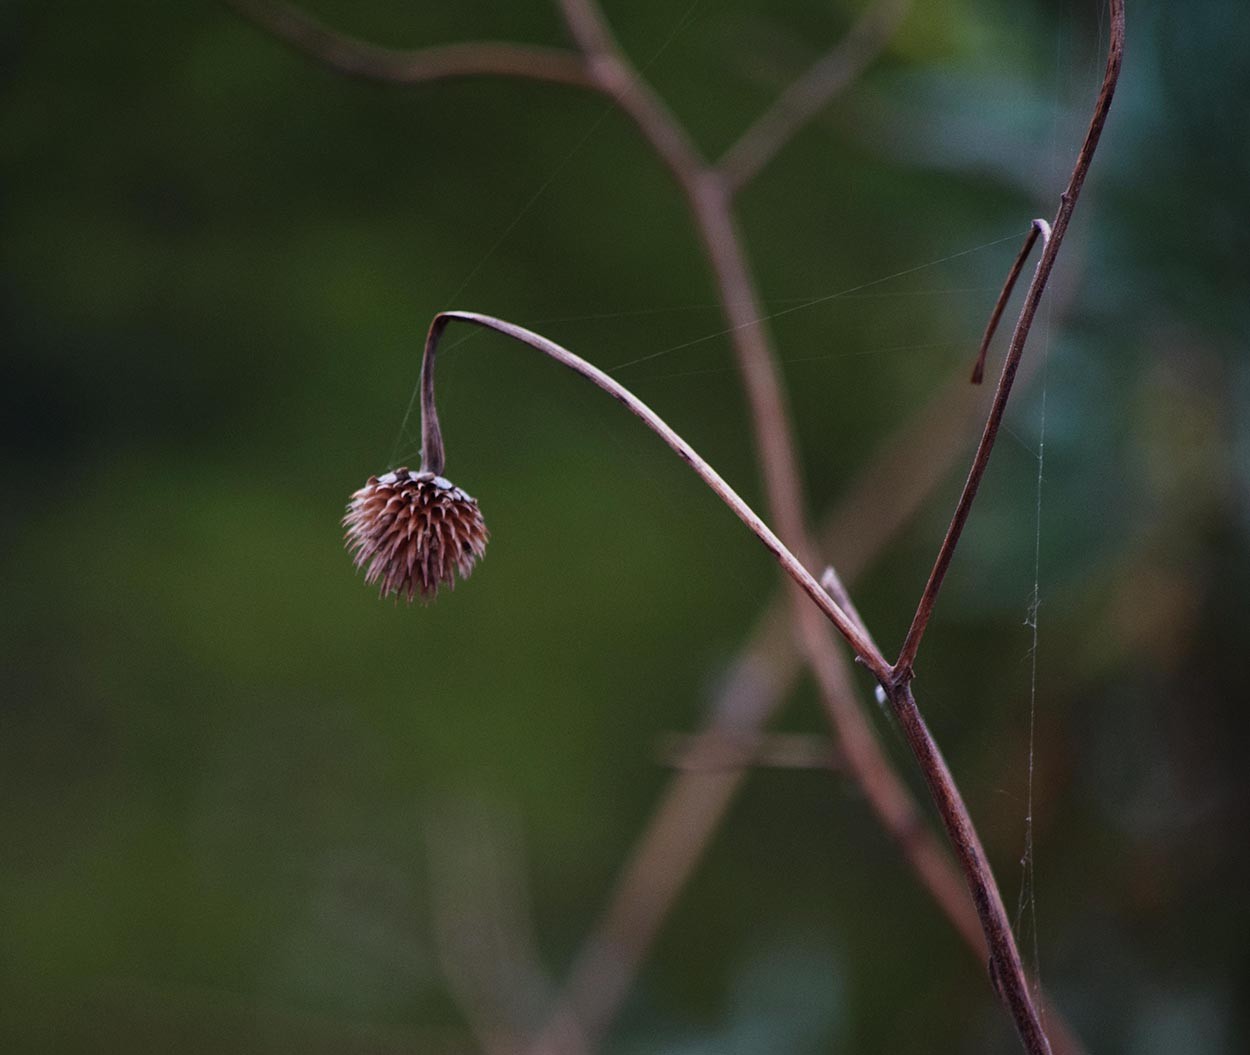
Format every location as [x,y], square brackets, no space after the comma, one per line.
[228,773]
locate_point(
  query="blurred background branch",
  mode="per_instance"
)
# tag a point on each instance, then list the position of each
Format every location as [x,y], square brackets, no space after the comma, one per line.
[808,95]
[359,58]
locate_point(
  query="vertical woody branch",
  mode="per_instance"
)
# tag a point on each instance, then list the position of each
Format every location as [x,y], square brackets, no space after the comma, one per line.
[1028,311]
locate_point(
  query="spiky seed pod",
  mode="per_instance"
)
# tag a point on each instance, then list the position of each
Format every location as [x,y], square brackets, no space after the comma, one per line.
[414,531]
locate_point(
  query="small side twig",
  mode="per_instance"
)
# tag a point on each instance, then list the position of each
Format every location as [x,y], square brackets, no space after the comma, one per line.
[1035,228]
[811,93]
[835,588]
[1067,204]
[359,58]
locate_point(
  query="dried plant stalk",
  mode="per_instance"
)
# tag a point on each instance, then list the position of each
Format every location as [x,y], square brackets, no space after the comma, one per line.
[601,66]
[1020,335]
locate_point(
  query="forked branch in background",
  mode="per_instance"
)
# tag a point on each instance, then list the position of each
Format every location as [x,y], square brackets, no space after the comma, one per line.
[807,96]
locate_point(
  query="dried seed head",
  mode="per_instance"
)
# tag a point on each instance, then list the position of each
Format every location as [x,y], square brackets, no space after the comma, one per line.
[414,531]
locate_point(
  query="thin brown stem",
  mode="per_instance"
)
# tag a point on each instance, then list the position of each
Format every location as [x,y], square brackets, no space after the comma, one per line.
[1035,228]
[836,589]
[804,99]
[1006,969]
[433,460]
[1032,298]
[359,58]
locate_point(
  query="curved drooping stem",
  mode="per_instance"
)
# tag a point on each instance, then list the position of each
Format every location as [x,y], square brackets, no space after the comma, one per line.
[433,459]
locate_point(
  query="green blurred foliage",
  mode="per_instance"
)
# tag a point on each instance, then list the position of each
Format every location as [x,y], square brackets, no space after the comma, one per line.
[224,764]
